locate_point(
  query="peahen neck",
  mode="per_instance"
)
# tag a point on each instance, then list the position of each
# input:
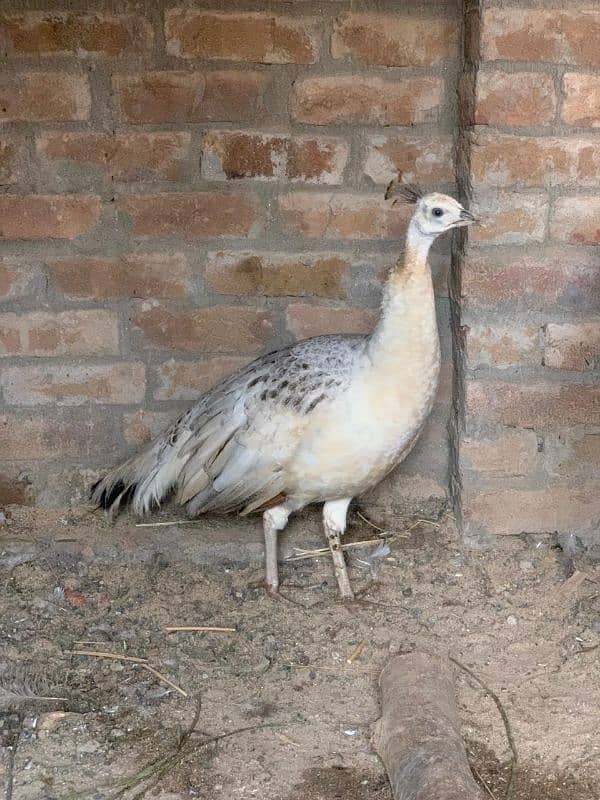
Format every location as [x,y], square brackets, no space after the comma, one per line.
[407,330]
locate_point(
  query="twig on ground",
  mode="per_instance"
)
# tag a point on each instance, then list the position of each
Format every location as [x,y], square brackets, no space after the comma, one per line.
[357,652]
[302,554]
[505,720]
[166,680]
[143,662]
[163,524]
[113,656]
[199,628]
[479,777]
[369,522]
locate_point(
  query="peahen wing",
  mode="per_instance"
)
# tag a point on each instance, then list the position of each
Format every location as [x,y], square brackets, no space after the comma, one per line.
[240,436]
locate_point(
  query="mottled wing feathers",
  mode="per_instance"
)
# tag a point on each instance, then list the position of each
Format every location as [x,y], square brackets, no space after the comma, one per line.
[241,434]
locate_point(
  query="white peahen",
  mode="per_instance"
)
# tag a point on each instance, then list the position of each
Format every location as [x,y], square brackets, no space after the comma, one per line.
[321,421]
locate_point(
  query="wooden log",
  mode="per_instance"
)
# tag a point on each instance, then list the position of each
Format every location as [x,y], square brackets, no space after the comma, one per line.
[418,734]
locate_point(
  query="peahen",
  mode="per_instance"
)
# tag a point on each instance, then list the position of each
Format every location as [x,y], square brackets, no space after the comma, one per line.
[321,421]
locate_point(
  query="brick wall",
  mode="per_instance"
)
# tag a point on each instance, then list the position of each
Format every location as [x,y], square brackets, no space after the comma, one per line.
[530,453]
[187,187]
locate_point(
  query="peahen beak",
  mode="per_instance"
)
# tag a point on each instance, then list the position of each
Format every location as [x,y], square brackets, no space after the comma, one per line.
[466,217]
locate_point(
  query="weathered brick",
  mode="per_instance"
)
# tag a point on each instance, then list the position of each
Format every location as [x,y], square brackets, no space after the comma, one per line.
[186,380]
[538,405]
[506,218]
[513,453]
[515,99]
[554,508]
[121,156]
[55,435]
[394,39]
[182,97]
[343,216]
[556,34]
[576,219]
[416,157]
[304,320]
[13,157]
[573,346]
[140,427]
[262,38]
[581,105]
[227,329]
[73,384]
[503,345]
[43,33]
[44,97]
[361,100]
[232,154]
[565,276]
[62,333]
[194,214]
[47,216]
[278,274]
[505,160]
[145,275]
[19,278]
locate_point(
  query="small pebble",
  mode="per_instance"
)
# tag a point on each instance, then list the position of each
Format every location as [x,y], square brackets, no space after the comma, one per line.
[511,620]
[350,731]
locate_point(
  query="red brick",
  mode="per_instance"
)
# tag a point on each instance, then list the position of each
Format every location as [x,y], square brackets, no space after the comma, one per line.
[13,157]
[416,157]
[74,385]
[507,218]
[503,345]
[18,278]
[182,97]
[343,216]
[565,276]
[47,216]
[55,435]
[504,160]
[581,105]
[576,219]
[573,346]
[122,156]
[146,275]
[554,508]
[394,39]
[514,453]
[262,38]
[305,320]
[535,34]
[142,426]
[361,100]
[186,380]
[44,97]
[62,333]
[42,33]
[515,99]
[231,154]
[539,405]
[227,329]
[194,214]
[278,274]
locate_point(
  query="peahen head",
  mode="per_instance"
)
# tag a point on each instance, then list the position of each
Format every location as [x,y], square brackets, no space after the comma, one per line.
[434,213]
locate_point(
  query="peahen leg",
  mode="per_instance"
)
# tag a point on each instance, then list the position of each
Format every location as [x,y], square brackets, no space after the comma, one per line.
[334,522]
[274,520]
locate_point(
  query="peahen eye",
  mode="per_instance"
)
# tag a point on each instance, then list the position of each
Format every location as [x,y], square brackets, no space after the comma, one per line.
[438,212]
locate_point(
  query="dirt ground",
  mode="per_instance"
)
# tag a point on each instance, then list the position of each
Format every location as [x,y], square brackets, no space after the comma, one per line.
[273,710]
